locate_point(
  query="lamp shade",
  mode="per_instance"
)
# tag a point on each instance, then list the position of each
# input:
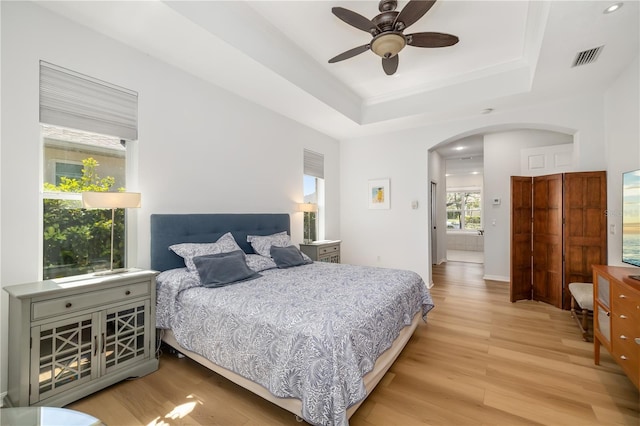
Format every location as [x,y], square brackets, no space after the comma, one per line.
[110,200]
[308,207]
[388,45]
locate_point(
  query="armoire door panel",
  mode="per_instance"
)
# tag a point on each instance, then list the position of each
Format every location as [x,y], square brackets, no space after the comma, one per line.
[547,239]
[521,204]
[547,270]
[585,240]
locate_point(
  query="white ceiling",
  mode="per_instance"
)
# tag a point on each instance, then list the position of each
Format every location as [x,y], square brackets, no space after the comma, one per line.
[275,53]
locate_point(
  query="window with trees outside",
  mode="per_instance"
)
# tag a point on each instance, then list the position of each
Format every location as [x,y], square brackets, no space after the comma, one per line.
[313,183]
[464,210]
[76,240]
[310,232]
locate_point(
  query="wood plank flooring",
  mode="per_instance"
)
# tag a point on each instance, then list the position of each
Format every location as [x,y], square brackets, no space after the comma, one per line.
[479,360]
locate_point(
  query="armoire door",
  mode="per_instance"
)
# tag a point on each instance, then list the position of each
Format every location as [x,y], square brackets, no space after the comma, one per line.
[521,222]
[547,239]
[585,229]
[568,234]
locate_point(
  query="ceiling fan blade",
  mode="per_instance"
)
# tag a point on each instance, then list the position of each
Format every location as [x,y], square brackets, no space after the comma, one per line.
[413,11]
[431,39]
[350,53]
[390,65]
[356,20]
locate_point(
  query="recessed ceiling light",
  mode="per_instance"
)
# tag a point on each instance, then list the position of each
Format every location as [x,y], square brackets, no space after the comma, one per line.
[613,8]
[459,148]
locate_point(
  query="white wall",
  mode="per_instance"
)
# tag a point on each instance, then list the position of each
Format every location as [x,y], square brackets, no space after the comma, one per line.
[502,160]
[464,181]
[399,235]
[390,238]
[622,135]
[201,149]
[4,305]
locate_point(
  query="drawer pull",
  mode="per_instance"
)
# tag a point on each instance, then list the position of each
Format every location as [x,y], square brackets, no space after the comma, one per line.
[623,337]
[637,340]
[104,343]
[128,292]
[623,316]
[68,305]
[622,357]
[95,345]
[622,296]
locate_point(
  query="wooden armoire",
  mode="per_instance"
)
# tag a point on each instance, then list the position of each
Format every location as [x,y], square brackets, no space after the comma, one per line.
[558,231]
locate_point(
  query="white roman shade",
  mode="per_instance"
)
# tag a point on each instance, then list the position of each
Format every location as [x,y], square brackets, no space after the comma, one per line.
[69,99]
[313,164]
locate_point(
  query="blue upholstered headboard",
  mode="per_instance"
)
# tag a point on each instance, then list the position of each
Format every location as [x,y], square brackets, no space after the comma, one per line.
[169,229]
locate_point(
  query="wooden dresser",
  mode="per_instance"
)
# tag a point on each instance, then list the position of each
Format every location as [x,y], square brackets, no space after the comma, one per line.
[616,317]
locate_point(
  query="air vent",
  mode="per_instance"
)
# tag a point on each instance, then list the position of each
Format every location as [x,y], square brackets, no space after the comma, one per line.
[587,56]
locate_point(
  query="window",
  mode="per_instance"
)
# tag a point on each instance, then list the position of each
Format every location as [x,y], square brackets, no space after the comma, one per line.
[77,240]
[67,170]
[464,210]
[313,183]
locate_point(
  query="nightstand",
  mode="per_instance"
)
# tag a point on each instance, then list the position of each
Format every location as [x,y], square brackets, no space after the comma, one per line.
[73,336]
[322,251]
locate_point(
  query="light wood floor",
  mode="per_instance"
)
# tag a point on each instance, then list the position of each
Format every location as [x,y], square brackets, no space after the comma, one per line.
[479,360]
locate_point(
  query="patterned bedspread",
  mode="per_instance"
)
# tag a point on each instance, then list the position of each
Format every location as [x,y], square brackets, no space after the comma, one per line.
[309,332]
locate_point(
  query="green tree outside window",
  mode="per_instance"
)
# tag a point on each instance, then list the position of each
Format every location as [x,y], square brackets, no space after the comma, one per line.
[77,240]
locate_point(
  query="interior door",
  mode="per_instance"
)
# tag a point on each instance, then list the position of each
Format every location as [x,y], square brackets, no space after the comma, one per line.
[585,233]
[433,221]
[521,222]
[547,239]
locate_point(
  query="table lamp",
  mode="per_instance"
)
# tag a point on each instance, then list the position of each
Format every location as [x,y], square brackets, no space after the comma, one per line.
[308,208]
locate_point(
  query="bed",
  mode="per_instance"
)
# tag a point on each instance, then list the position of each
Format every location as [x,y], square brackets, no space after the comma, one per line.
[314,338]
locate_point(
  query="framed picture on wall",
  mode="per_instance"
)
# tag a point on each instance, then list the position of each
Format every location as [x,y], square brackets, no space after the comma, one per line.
[379,194]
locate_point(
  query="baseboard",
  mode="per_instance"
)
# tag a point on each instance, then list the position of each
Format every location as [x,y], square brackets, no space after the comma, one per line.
[496,278]
[3,395]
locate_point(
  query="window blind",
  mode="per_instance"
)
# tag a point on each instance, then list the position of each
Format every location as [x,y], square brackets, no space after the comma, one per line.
[313,164]
[69,99]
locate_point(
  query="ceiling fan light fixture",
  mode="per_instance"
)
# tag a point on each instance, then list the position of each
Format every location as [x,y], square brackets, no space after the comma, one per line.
[388,45]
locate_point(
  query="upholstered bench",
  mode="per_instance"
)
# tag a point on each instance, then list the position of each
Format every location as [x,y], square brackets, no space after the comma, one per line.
[582,296]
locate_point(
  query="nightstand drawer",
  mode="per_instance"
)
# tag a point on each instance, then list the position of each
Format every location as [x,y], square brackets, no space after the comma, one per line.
[329,249]
[77,302]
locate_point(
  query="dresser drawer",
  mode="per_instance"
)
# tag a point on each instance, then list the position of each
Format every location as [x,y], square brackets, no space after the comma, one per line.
[623,299]
[626,353]
[329,249]
[78,302]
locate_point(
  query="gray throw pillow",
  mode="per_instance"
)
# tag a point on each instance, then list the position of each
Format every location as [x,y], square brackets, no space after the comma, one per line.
[221,269]
[286,257]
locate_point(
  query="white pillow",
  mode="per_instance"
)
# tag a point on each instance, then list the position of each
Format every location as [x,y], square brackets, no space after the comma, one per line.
[260,263]
[188,251]
[262,243]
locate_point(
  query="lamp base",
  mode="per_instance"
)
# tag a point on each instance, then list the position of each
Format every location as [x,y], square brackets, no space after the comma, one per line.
[111,272]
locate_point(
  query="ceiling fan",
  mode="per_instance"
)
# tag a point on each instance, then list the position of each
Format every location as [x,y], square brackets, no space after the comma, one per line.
[386,30]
